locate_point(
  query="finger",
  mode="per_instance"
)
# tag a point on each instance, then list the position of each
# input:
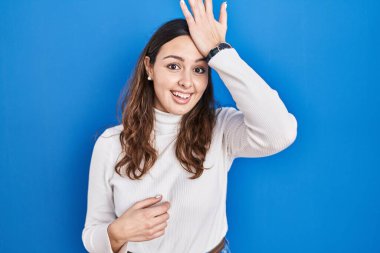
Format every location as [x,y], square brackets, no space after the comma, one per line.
[223,14]
[189,18]
[195,9]
[209,7]
[158,234]
[201,7]
[158,227]
[159,209]
[147,202]
[160,218]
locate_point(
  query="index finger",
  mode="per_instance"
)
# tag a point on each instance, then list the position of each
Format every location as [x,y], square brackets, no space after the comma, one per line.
[158,210]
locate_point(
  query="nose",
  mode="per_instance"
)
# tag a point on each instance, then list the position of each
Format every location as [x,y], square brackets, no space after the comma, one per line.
[186,80]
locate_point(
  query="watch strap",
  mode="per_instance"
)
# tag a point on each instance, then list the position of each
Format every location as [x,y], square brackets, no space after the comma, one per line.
[217,49]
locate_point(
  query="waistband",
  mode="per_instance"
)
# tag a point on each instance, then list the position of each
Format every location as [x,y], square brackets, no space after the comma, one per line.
[216,249]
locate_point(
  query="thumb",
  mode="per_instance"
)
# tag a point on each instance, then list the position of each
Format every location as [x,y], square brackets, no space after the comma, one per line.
[223,14]
[148,202]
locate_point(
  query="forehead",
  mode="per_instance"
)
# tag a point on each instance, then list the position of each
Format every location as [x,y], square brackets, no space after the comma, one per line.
[182,46]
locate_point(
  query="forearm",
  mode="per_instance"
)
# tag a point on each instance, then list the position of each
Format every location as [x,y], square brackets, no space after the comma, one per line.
[265,115]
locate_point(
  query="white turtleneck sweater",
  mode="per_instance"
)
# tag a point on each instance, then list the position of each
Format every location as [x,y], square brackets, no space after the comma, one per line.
[260,127]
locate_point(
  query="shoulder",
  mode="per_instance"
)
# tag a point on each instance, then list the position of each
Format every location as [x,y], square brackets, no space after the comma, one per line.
[109,138]
[112,131]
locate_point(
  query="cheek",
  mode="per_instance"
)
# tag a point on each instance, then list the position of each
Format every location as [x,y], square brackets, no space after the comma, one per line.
[202,86]
[161,92]
[162,82]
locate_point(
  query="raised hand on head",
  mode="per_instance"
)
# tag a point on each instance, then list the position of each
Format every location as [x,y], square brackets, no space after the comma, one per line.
[205,31]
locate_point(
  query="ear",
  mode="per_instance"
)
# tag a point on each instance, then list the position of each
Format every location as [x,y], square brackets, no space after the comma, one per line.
[148,67]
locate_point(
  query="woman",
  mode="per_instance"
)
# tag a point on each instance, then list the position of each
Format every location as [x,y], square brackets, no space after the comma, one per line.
[174,142]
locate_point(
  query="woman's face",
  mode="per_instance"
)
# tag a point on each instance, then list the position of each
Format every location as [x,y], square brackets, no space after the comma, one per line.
[179,70]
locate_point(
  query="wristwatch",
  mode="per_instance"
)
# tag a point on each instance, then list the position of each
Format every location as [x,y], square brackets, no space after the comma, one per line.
[217,49]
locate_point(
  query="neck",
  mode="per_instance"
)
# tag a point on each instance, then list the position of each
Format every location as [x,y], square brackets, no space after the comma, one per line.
[165,122]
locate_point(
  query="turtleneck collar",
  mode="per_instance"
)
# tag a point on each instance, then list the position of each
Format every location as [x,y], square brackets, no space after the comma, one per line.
[166,123]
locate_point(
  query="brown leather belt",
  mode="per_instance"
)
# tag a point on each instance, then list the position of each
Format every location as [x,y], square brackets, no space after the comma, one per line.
[216,249]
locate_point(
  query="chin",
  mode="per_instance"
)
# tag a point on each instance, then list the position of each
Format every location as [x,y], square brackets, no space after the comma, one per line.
[181,111]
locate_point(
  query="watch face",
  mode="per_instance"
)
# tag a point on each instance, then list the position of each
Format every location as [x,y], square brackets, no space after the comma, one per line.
[215,50]
[224,45]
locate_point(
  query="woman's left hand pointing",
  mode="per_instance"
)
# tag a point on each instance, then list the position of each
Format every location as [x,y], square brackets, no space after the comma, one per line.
[205,31]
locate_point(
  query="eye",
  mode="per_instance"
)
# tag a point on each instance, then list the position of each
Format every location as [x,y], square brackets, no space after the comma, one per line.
[203,70]
[198,70]
[172,64]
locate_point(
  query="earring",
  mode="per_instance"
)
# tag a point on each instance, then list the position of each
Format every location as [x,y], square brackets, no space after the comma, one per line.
[149,78]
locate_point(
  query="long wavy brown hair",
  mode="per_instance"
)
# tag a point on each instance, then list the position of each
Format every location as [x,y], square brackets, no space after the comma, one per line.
[137,100]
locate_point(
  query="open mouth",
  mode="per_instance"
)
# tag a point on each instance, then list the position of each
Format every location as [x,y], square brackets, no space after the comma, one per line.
[181,98]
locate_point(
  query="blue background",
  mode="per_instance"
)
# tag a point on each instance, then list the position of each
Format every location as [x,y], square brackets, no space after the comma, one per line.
[64,63]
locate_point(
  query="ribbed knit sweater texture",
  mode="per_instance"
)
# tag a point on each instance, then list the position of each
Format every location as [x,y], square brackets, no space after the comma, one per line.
[260,126]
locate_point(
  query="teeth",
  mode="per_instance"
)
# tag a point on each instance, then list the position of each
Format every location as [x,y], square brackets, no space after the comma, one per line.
[181,95]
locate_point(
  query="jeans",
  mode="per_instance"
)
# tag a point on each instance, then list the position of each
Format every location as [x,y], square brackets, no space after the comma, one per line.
[226,248]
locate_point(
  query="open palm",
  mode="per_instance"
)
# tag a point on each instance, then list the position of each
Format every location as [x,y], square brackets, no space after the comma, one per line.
[205,31]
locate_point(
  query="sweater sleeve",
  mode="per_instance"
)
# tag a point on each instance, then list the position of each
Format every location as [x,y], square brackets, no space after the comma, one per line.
[100,208]
[262,125]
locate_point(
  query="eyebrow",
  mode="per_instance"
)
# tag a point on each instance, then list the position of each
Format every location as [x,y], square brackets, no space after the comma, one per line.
[181,59]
